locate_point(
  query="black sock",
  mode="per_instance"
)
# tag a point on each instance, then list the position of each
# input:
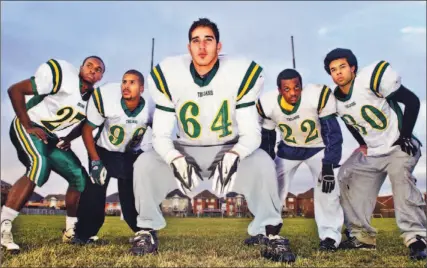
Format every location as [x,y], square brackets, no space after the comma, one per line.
[273,229]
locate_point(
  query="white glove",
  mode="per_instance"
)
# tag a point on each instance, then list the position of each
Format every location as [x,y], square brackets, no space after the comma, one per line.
[187,174]
[224,173]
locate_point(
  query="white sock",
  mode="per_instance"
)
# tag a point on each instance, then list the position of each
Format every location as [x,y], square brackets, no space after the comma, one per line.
[70,222]
[8,214]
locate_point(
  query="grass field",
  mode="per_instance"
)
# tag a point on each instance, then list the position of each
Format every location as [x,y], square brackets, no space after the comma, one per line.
[194,242]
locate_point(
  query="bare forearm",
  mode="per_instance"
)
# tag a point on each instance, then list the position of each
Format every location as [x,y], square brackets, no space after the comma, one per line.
[76,132]
[17,98]
[89,142]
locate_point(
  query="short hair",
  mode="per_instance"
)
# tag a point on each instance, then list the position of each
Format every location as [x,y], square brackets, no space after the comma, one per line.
[95,57]
[288,74]
[137,73]
[204,22]
[340,53]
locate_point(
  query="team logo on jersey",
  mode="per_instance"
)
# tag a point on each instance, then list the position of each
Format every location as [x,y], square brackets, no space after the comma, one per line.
[205,93]
[131,121]
[293,118]
[350,105]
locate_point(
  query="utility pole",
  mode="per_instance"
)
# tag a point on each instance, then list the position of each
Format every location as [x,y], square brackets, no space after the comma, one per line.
[293,51]
[152,53]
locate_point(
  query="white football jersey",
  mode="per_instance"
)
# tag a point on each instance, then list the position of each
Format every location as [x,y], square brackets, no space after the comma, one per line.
[366,108]
[205,110]
[121,130]
[57,103]
[299,127]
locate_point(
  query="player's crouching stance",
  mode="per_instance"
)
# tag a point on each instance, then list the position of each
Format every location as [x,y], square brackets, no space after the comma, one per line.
[122,116]
[214,101]
[310,135]
[367,101]
[61,93]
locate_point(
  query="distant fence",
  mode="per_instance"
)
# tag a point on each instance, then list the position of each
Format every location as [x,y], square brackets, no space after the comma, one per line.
[43,211]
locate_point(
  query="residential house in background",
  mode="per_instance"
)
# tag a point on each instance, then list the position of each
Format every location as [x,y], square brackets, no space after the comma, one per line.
[290,207]
[206,204]
[235,205]
[384,207]
[5,187]
[112,205]
[35,201]
[305,204]
[176,204]
[56,201]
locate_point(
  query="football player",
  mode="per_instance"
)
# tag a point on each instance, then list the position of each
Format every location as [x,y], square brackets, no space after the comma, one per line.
[213,100]
[367,101]
[122,116]
[306,117]
[61,92]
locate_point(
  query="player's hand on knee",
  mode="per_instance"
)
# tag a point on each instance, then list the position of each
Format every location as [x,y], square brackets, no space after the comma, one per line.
[187,174]
[327,178]
[224,174]
[98,172]
[406,145]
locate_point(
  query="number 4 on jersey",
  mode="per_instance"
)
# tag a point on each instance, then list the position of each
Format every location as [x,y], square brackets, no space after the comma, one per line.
[222,121]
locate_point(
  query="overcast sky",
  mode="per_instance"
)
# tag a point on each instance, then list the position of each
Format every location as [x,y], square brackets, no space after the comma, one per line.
[121,33]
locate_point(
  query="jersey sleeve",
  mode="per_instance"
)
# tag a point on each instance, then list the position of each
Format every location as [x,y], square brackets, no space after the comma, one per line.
[246,112]
[251,86]
[327,105]
[265,120]
[384,80]
[159,90]
[47,79]
[95,109]
[164,118]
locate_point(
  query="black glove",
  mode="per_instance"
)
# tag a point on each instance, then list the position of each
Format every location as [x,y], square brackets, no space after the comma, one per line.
[406,145]
[327,178]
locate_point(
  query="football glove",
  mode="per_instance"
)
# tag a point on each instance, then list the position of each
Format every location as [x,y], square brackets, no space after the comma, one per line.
[327,178]
[224,174]
[406,145]
[187,174]
[98,172]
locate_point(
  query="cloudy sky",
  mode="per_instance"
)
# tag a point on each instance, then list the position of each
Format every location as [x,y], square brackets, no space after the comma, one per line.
[121,33]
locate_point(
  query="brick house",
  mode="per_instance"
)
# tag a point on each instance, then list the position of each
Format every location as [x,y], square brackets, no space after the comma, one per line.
[35,201]
[235,205]
[384,207]
[305,204]
[56,201]
[5,187]
[290,207]
[206,203]
[176,204]
[112,205]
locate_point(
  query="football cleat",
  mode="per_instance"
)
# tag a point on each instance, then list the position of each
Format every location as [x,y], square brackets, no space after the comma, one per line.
[278,249]
[144,242]
[353,243]
[256,240]
[68,235]
[328,244]
[417,250]
[93,239]
[7,237]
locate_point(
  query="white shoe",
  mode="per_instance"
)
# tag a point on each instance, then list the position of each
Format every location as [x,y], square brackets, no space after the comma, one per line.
[68,235]
[93,238]
[7,237]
